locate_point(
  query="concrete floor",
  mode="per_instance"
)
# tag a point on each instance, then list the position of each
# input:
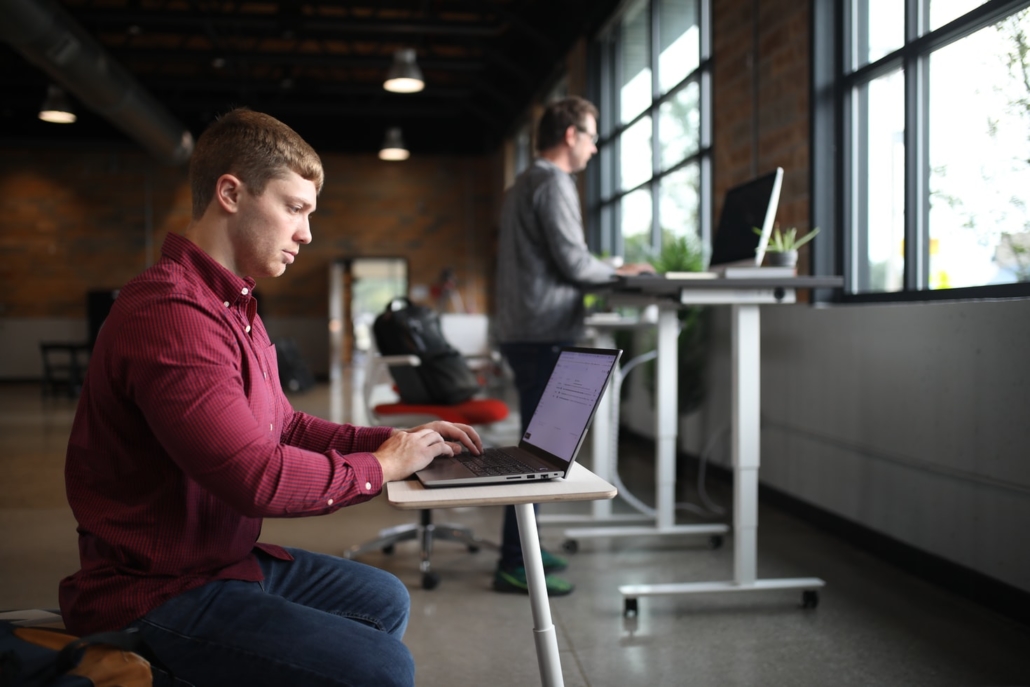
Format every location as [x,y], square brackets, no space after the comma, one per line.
[875,625]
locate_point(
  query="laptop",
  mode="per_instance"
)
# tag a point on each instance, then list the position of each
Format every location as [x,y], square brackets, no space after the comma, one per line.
[746,207]
[553,436]
[736,244]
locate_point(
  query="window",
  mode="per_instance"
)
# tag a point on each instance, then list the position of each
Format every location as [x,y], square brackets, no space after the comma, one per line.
[651,80]
[930,110]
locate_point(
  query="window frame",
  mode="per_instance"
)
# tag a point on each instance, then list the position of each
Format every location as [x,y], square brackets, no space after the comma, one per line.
[604,198]
[833,176]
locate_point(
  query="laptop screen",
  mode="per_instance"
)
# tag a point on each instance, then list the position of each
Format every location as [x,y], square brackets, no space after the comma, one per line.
[746,207]
[561,418]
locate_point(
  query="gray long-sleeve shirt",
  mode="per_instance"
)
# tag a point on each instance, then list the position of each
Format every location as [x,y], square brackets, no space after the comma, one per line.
[543,259]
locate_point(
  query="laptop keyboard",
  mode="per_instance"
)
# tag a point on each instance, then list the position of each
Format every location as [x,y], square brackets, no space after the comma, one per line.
[493,461]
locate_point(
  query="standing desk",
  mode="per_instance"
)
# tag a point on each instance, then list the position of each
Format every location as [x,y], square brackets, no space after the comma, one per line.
[744,296]
[580,485]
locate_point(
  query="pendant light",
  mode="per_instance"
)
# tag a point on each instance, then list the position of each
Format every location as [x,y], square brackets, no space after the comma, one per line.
[56,107]
[404,75]
[393,146]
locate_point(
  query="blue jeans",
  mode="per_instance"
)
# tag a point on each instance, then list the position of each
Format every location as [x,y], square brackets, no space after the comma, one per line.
[532,364]
[315,621]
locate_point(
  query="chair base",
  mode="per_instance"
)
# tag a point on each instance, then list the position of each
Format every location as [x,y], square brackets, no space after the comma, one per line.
[426,532]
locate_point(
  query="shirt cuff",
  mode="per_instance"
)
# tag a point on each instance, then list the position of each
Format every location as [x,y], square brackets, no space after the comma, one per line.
[368,473]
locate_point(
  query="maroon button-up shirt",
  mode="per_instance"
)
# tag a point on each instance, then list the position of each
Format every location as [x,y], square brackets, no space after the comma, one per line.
[183,441]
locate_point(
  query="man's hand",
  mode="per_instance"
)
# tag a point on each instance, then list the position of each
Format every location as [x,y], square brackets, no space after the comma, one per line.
[456,435]
[635,268]
[407,451]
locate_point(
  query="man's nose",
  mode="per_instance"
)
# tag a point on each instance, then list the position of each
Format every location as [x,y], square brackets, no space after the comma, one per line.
[304,234]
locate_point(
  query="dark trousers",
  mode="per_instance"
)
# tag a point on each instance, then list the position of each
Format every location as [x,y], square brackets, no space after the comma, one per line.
[532,364]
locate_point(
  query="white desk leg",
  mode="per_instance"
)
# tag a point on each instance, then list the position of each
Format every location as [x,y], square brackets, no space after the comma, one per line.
[602,450]
[746,408]
[667,373]
[543,629]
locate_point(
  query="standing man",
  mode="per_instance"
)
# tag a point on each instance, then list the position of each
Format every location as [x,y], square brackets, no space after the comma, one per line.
[183,441]
[542,264]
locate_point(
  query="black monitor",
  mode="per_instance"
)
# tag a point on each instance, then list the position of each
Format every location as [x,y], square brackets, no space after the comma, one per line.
[747,206]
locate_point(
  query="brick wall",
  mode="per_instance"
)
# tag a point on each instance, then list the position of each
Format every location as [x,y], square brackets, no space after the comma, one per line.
[71,221]
[761,81]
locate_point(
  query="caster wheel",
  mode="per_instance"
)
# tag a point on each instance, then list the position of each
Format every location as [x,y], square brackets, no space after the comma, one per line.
[473,549]
[430,580]
[388,550]
[570,546]
[629,607]
[809,599]
[715,542]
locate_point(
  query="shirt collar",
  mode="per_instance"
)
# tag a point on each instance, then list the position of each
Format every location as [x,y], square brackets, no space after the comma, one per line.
[226,285]
[544,162]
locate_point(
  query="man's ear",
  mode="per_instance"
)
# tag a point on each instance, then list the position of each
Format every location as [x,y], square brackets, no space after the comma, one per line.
[227,192]
[570,135]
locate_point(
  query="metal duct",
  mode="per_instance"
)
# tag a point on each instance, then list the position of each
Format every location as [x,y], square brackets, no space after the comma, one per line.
[51,39]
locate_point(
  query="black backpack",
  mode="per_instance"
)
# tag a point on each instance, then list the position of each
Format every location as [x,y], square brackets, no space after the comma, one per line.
[443,377]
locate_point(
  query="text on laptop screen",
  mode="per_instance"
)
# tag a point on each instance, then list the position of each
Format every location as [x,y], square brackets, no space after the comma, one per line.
[568,402]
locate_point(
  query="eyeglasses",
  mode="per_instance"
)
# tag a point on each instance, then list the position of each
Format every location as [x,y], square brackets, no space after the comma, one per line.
[593,137]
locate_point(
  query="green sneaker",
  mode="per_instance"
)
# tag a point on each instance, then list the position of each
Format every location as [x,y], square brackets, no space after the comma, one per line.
[552,563]
[515,581]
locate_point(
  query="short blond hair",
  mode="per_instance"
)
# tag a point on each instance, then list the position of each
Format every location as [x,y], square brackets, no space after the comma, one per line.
[252,146]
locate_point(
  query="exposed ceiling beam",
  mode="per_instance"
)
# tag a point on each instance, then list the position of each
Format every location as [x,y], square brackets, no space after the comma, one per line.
[130,55]
[273,25]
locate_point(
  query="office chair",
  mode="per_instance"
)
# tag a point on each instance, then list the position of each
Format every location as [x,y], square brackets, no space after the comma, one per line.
[477,412]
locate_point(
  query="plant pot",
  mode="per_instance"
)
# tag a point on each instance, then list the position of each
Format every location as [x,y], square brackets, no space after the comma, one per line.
[787,258]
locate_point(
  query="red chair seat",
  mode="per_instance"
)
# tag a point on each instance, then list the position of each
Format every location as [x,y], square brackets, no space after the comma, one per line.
[482,411]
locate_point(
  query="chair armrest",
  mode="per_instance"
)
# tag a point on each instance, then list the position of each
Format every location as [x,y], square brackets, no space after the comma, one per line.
[391,360]
[493,356]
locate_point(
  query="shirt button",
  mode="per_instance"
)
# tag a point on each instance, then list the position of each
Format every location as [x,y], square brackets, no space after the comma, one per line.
[266,375]
[330,502]
[368,486]
[271,427]
[248,328]
[245,291]
[226,304]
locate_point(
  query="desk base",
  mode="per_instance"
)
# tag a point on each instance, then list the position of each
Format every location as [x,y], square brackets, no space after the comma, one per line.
[810,598]
[595,532]
[544,520]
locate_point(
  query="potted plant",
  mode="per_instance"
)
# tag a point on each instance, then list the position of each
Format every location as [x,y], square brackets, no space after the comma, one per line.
[782,250]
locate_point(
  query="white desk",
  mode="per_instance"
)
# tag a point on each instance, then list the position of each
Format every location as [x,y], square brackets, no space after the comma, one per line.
[744,296]
[580,485]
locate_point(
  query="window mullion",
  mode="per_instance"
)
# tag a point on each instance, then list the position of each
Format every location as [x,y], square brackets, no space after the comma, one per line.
[653,54]
[705,135]
[859,190]
[604,171]
[917,245]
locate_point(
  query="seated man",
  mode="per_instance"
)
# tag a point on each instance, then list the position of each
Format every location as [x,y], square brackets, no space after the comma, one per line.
[183,441]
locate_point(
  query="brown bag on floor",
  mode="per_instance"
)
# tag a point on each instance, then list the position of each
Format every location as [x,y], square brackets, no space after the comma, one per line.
[38,656]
